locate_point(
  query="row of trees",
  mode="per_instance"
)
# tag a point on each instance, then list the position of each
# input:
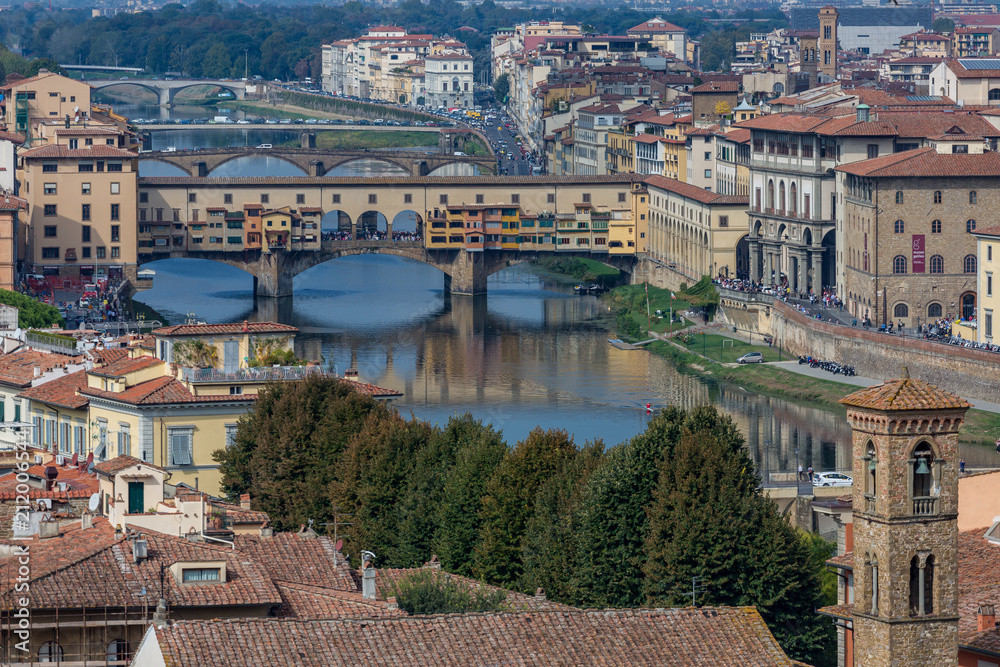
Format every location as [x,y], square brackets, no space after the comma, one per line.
[213,39]
[624,526]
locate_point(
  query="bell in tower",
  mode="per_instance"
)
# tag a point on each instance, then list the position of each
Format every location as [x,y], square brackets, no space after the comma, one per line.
[905,451]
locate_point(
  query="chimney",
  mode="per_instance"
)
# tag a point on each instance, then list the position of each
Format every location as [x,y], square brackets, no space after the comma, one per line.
[367,575]
[434,563]
[160,615]
[540,594]
[266,532]
[391,603]
[351,374]
[140,550]
[38,371]
[47,529]
[245,501]
[51,472]
[864,113]
[86,521]
[986,618]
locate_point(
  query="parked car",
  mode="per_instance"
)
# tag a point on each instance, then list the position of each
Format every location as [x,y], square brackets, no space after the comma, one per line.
[751,358]
[832,479]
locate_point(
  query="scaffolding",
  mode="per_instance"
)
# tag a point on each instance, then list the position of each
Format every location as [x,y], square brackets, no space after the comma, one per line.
[22,116]
[88,636]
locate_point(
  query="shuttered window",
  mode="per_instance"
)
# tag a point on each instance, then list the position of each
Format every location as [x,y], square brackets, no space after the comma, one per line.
[180,446]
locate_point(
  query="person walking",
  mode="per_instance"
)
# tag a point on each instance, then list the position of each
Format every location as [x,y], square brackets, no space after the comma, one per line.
[810,474]
[801,475]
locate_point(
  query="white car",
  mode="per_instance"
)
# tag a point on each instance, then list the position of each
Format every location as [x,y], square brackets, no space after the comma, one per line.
[832,479]
[751,358]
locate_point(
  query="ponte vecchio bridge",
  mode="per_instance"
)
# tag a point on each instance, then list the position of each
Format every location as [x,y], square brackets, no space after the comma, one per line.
[469,227]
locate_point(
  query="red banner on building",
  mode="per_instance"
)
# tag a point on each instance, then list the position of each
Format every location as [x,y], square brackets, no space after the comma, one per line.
[918,253]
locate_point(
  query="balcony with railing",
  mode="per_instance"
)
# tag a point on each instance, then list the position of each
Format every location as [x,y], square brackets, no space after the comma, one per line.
[924,505]
[261,374]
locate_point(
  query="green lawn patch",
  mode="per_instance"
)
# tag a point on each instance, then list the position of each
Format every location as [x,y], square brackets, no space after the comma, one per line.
[355,139]
[726,350]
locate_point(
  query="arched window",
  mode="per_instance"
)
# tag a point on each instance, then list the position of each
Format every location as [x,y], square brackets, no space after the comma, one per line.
[899,264]
[970,226]
[922,481]
[937,196]
[899,196]
[934,310]
[793,199]
[994,94]
[968,305]
[781,196]
[871,478]
[969,264]
[118,651]
[973,197]
[937,264]
[935,226]
[770,194]
[50,652]
[898,227]
[921,585]
[901,310]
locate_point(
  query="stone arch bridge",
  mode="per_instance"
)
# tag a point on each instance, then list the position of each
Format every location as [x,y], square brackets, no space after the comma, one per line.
[316,162]
[165,90]
[465,272]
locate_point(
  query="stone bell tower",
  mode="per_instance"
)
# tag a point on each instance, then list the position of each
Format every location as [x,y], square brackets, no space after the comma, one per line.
[905,452]
[828,41]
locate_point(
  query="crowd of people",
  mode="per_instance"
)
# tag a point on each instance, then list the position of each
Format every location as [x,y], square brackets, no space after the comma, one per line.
[371,235]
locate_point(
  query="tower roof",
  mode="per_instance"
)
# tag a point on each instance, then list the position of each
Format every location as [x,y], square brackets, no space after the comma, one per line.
[905,394]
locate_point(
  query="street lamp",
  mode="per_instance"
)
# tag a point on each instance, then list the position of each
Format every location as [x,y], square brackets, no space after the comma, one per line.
[797,474]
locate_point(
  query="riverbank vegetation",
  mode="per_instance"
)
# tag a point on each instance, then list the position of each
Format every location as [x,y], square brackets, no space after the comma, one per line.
[570,270]
[629,303]
[624,526]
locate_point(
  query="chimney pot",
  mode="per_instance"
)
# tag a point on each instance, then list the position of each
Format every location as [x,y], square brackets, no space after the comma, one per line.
[986,619]
[245,501]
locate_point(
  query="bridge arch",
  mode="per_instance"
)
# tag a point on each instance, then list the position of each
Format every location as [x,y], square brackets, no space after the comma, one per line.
[117,84]
[455,168]
[163,161]
[236,91]
[255,156]
[373,160]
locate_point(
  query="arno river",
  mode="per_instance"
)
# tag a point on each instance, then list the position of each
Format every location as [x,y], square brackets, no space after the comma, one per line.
[528,354]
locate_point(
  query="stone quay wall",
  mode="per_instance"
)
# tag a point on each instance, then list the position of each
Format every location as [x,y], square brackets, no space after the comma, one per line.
[966,372]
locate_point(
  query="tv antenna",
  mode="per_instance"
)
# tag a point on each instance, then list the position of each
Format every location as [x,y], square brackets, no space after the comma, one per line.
[337,523]
[695,589]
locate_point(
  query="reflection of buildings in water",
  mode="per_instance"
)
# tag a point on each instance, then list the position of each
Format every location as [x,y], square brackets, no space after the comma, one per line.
[775,428]
[466,354]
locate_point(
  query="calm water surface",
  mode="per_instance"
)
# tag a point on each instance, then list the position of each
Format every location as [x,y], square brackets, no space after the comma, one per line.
[528,354]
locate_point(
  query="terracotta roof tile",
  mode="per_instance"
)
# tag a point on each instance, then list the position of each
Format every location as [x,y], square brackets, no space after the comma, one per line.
[63,391]
[694,192]
[717,87]
[299,557]
[305,601]
[119,463]
[58,151]
[18,368]
[162,390]
[126,365]
[224,329]
[927,163]
[108,356]
[905,394]
[637,637]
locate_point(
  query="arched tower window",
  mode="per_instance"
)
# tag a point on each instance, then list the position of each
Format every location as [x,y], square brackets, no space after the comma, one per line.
[871,477]
[923,485]
[770,194]
[793,200]
[781,196]
[922,585]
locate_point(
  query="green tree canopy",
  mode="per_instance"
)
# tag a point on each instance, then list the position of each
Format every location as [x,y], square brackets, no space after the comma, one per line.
[32,313]
[709,520]
[286,447]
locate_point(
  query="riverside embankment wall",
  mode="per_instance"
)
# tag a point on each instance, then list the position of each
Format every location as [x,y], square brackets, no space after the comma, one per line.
[962,371]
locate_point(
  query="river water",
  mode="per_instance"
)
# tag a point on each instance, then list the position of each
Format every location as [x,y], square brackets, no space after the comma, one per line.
[528,354]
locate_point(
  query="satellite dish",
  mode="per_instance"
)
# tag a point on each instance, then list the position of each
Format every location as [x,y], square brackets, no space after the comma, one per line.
[339,545]
[76,110]
[94,502]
